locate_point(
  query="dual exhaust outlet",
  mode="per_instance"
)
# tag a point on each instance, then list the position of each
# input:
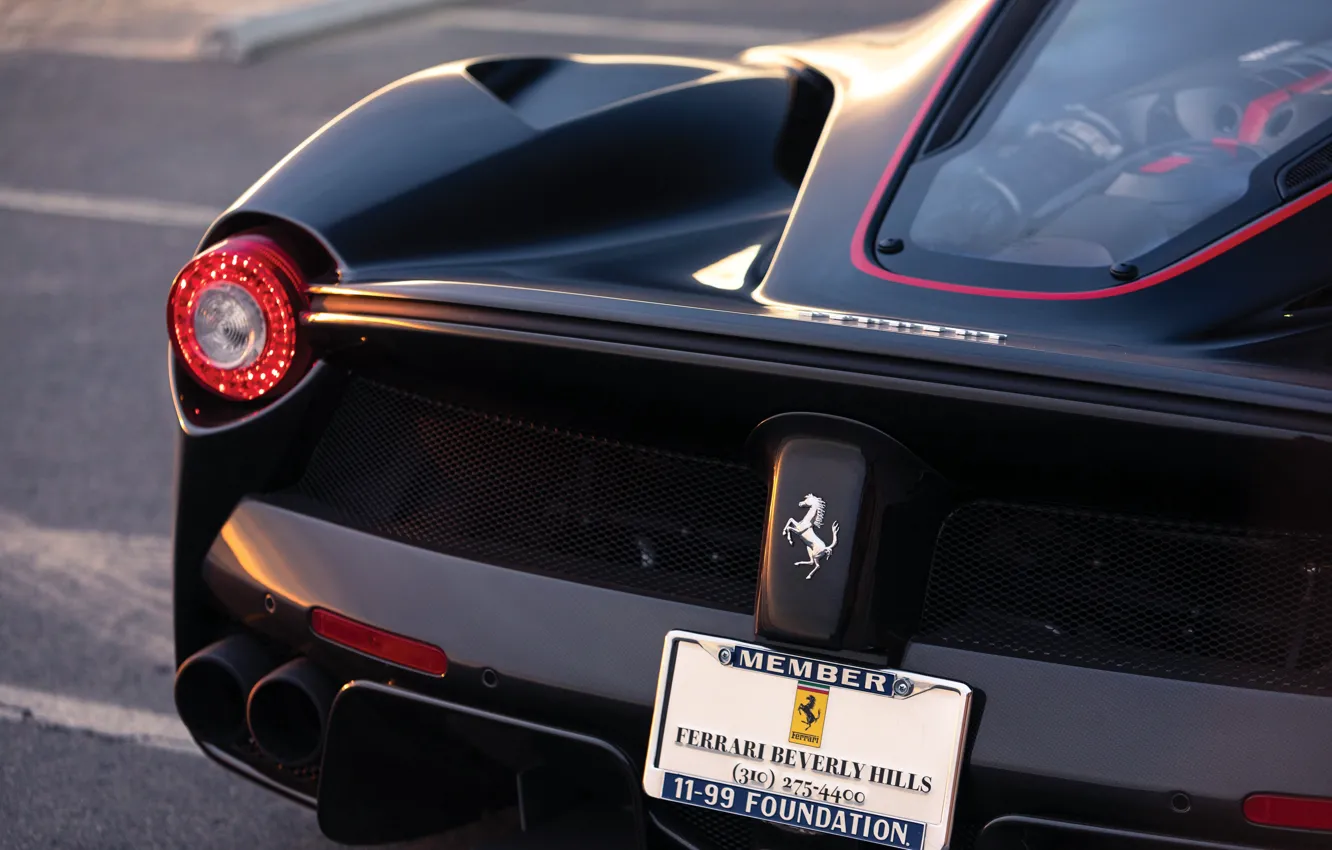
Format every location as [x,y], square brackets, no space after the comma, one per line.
[233,689]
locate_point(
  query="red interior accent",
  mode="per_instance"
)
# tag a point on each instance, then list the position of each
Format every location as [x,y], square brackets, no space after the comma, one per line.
[1259,111]
[1165,164]
[1257,114]
[1310,83]
[387,646]
[860,246]
[1291,812]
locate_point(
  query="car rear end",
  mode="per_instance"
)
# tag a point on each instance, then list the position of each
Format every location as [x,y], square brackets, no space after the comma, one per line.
[1139,600]
[462,445]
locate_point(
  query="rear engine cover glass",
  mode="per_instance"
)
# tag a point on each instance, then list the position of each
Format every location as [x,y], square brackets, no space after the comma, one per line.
[1126,123]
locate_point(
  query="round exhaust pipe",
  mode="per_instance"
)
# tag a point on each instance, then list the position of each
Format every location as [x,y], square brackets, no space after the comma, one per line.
[212,686]
[288,710]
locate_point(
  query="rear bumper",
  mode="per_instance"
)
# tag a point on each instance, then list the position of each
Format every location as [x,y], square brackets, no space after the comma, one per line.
[528,628]
[1092,746]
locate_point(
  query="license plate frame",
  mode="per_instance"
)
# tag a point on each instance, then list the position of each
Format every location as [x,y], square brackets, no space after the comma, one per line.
[740,757]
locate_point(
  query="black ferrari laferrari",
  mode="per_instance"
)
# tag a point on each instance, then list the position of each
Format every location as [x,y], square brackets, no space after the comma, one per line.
[919,438]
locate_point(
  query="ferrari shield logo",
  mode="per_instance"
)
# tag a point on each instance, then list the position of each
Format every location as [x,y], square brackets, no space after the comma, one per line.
[811,706]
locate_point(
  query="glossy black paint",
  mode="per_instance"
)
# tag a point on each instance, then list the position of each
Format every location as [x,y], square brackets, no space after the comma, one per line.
[804,594]
[547,234]
[216,464]
[868,482]
[697,161]
[668,167]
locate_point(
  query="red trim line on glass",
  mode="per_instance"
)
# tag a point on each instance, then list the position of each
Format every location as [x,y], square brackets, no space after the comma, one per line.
[860,247]
[860,242]
[1258,113]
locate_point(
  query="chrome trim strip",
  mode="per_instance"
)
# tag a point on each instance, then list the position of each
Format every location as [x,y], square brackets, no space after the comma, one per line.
[338,289]
[772,311]
[922,387]
[358,320]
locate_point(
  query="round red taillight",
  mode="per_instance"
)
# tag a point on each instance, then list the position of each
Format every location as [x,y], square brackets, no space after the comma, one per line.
[232,316]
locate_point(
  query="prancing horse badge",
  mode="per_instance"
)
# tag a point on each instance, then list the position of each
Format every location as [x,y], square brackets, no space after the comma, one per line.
[817,550]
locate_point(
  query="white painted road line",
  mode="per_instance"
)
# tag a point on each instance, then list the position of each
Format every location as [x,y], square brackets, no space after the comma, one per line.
[162,731]
[234,30]
[238,37]
[108,208]
[117,587]
[597,26]
[118,47]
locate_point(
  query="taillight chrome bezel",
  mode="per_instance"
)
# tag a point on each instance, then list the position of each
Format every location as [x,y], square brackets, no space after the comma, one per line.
[258,265]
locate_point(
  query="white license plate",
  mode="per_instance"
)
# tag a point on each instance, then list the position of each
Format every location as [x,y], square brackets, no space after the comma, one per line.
[851,751]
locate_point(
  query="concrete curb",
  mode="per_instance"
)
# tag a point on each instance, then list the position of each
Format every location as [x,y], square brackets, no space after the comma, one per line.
[238,39]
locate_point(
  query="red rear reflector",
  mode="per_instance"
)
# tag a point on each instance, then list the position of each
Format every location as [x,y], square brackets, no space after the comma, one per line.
[379,643]
[1293,812]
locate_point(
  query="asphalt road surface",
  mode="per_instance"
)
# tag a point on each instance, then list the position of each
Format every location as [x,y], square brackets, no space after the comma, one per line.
[108,170]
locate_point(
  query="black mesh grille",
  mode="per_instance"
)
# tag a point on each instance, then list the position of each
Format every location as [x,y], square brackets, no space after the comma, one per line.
[965,834]
[1308,172]
[704,827]
[1143,596]
[511,492]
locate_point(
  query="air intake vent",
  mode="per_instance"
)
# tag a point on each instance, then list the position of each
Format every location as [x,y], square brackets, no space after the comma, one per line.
[515,493]
[1306,173]
[1139,595]
[546,92]
[1317,300]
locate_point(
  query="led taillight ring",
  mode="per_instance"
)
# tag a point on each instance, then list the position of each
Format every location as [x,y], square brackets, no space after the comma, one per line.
[246,294]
